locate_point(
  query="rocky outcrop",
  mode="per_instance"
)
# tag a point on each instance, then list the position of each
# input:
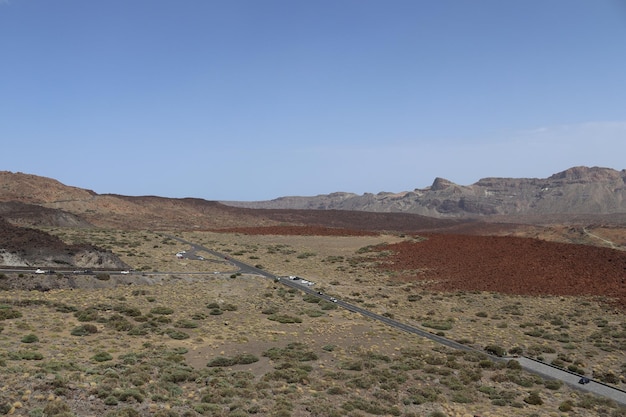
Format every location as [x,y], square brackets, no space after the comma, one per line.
[22,246]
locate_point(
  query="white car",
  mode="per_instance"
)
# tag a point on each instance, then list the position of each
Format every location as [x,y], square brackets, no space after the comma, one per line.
[125,272]
[40,271]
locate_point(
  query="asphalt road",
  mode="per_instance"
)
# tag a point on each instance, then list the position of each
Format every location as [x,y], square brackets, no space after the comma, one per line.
[528,364]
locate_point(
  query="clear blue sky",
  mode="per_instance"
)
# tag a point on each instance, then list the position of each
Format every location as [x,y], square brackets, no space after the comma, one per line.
[258,99]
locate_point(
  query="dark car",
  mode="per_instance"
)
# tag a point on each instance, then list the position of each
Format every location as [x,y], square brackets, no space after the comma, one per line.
[584,380]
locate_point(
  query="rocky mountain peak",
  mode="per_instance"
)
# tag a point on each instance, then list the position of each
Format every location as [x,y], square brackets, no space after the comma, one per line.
[441,184]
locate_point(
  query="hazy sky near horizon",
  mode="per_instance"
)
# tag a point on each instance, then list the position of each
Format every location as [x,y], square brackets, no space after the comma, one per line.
[258,99]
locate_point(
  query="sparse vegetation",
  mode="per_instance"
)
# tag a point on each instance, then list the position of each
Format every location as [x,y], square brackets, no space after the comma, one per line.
[172,348]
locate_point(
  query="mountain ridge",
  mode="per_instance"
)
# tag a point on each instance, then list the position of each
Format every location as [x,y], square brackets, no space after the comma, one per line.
[581,195]
[577,190]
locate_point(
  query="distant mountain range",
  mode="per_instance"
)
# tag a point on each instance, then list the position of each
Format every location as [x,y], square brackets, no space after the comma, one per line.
[575,191]
[580,195]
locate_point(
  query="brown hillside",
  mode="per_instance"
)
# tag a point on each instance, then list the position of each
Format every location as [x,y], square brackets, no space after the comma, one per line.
[27,188]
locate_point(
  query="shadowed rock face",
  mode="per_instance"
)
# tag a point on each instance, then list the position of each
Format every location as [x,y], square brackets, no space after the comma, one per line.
[22,246]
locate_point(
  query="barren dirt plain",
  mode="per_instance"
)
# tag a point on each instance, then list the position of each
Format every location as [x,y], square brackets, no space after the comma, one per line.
[187,337]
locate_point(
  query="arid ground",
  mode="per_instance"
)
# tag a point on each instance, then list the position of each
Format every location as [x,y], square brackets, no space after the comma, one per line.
[192,337]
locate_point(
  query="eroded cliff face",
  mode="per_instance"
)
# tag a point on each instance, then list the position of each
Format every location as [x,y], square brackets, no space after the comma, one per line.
[578,190]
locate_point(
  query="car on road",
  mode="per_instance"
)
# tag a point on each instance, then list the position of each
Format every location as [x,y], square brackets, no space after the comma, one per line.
[584,380]
[40,271]
[125,272]
[333,299]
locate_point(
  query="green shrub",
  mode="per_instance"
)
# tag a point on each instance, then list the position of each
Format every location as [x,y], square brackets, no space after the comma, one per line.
[313,313]
[35,412]
[90,314]
[270,310]
[7,313]
[119,323]
[111,400]
[336,390]
[576,369]
[30,338]
[533,399]
[438,324]
[176,334]
[495,350]
[102,357]
[461,397]
[186,324]
[553,384]
[84,330]
[486,363]
[28,355]
[129,393]
[221,361]
[284,318]
[245,358]
[327,305]
[240,359]
[310,298]
[130,311]
[161,310]
[57,408]
[355,365]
